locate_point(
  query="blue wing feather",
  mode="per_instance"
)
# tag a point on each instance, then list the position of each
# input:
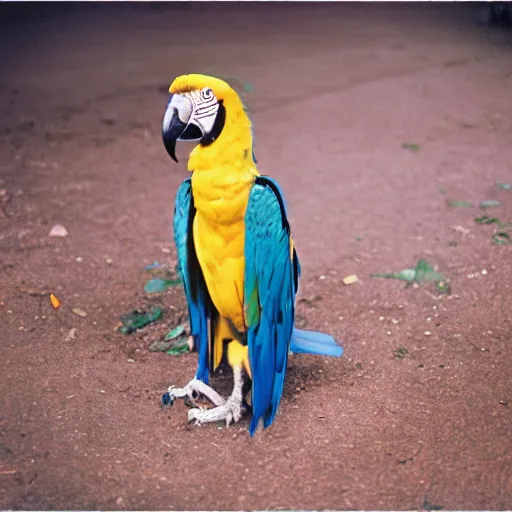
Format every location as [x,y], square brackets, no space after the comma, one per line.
[270,269]
[200,306]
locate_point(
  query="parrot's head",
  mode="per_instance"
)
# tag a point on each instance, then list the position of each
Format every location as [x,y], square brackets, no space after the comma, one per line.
[197,111]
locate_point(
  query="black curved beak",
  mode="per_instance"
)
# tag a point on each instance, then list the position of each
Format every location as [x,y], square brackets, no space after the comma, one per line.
[171,132]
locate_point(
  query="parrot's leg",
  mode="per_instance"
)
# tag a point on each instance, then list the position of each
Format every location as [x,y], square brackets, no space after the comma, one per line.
[194,387]
[232,409]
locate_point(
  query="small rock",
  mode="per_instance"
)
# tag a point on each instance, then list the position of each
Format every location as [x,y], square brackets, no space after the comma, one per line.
[462,230]
[71,334]
[109,261]
[427,333]
[79,259]
[350,279]
[484,272]
[79,312]
[131,360]
[59,230]
[381,318]
[322,277]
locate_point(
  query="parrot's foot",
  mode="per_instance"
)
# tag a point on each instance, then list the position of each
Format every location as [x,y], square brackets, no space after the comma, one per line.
[194,388]
[230,412]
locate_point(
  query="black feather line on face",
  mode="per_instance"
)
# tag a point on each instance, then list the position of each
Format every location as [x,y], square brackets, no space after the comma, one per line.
[218,126]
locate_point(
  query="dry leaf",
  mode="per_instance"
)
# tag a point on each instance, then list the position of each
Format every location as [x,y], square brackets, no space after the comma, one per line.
[55,301]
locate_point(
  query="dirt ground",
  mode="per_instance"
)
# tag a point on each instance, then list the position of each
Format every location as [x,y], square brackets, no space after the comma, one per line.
[337,91]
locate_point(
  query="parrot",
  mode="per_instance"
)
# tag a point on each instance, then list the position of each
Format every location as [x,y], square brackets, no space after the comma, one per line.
[236,257]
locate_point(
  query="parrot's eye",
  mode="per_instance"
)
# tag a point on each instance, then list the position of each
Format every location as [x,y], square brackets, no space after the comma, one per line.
[207,94]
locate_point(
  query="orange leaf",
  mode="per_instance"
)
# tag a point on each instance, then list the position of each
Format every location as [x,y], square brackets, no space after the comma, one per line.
[55,302]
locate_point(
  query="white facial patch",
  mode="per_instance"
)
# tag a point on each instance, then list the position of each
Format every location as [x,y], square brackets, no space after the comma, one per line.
[204,108]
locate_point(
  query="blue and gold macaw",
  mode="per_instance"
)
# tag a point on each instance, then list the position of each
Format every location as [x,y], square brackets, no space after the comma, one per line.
[236,255]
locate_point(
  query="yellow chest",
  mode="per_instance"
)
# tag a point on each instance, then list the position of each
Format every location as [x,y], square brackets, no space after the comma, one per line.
[221,198]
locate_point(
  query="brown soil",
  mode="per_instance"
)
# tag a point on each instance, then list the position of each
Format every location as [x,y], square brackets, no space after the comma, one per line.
[337,90]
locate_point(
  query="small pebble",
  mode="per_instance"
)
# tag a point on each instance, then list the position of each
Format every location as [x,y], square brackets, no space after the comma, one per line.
[79,259]
[71,334]
[131,360]
[381,318]
[322,277]
[350,279]
[484,272]
[58,230]
[109,261]
[427,333]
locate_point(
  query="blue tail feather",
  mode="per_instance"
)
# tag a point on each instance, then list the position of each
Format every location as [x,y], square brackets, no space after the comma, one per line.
[312,342]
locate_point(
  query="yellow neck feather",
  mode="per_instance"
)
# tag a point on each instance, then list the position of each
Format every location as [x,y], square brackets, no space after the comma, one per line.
[233,147]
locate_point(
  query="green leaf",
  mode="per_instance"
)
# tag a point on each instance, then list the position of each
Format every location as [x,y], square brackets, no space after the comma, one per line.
[458,204]
[159,285]
[179,347]
[501,238]
[400,352]
[411,147]
[422,272]
[137,319]
[489,203]
[485,219]
[174,333]
[407,274]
